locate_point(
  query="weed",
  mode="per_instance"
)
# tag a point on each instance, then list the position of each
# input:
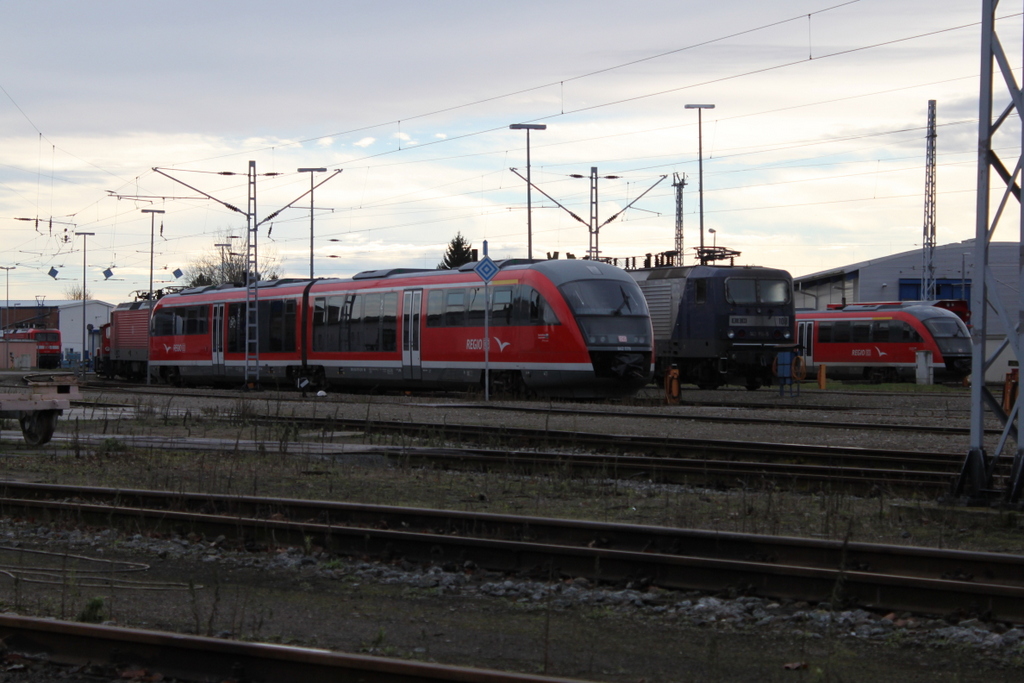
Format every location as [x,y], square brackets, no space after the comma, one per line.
[92,613]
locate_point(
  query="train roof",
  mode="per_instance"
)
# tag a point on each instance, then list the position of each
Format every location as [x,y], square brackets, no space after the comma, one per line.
[558,271]
[673,272]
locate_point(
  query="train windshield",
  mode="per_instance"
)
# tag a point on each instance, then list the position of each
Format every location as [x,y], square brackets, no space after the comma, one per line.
[947,328]
[759,291]
[604,297]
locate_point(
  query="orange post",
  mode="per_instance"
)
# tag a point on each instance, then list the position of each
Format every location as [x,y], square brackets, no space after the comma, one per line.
[672,385]
[821,377]
[1010,388]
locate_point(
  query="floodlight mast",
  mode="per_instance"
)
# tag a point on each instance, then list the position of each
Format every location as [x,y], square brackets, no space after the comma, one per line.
[700,169]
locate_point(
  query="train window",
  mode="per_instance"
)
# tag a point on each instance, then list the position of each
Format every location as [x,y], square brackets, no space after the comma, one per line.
[740,290]
[700,291]
[880,331]
[455,307]
[277,326]
[773,291]
[476,307]
[435,308]
[181,321]
[905,333]
[824,332]
[236,328]
[861,332]
[389,322]
[604,297]
[533,309]
[841,331]
[319,312]
[501,306]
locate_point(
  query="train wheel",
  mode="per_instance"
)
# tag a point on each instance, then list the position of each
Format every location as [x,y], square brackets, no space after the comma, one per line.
[37,427]
[753,384]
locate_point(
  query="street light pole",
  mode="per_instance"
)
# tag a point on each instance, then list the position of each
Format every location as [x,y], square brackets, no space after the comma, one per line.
[152,229]
[529,197]
[85,242]
[7,317]
[700,168]
[311,171]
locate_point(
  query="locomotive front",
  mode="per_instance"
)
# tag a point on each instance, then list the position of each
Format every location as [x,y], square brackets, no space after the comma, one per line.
[757,318]
[613,319]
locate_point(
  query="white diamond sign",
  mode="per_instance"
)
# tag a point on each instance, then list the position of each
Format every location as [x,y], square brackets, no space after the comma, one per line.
[486,269]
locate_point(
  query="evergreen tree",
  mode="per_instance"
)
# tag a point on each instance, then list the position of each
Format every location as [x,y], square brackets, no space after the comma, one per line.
[459,252]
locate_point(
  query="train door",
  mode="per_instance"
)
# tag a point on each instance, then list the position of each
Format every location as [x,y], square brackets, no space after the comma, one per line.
[411,306]
[805,339]
[217,347]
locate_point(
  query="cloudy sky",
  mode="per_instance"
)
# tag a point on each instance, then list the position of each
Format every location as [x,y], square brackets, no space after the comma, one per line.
[814,155]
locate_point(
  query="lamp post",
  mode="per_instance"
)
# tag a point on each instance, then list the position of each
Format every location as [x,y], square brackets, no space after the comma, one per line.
[85,242]
[700,167]
[529,197]
[714,239]
[222,246]
[311,171]
[7,316]
[152,229]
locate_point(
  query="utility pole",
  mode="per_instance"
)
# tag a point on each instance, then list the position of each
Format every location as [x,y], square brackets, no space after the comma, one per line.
[928,241]
[7,319]
[592,226]
[252,338]
[679,182]
[977,473]
[85,243]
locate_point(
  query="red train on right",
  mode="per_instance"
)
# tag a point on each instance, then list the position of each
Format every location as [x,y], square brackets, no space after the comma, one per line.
[879,342]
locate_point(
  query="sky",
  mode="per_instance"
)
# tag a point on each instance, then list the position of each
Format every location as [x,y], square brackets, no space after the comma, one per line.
[813,156]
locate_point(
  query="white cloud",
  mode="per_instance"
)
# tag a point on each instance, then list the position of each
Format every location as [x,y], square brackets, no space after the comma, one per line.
[364,142]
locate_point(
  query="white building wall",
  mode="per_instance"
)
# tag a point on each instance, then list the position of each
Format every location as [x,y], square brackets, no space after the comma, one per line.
[97,313]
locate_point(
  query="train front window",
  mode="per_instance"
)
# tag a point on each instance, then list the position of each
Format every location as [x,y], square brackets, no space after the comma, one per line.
[604,297]
[773,291]
[947,327]
[747,291]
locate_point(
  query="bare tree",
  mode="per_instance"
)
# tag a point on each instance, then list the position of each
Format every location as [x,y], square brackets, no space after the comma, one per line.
[74,293]
[224,264]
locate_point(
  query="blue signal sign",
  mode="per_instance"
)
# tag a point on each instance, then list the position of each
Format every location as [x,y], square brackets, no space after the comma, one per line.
[486,269]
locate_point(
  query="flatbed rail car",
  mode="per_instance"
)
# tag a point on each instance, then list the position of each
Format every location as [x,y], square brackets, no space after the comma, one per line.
[48,345]
[879,342]
[719,324]
[560,328]
[36,401]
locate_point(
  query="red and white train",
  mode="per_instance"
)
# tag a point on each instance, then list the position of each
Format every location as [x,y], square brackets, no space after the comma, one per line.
[879,342]
[48,346]
[564,328]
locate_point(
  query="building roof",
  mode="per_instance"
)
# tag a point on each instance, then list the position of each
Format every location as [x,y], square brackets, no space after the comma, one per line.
[833,273]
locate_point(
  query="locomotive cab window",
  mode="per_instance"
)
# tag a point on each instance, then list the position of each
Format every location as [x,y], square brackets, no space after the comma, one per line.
[748,291]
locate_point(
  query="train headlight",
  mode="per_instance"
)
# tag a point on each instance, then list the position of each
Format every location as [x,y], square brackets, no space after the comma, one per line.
[788,335]
[730,334]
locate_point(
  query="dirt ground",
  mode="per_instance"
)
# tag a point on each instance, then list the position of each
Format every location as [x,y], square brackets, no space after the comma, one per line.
[341,610]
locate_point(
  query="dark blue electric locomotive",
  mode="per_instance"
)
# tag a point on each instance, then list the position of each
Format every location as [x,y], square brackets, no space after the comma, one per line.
[718,324]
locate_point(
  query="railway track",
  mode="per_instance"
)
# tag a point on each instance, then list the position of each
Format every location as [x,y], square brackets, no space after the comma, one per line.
[630,411]
[882,577]
[145,655]
[721,464]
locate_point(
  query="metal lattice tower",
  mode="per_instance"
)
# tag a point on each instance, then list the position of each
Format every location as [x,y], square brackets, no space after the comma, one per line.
[928,241]
[976,477]
[593,251]
[679,182]
[252,317]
